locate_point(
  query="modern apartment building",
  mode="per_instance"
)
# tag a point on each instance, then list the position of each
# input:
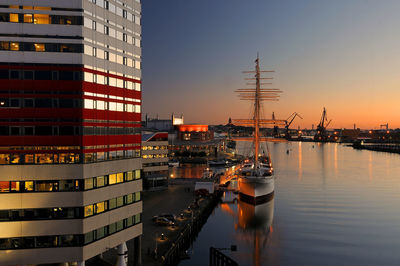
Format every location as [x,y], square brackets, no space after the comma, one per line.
[70,112]
[155,160]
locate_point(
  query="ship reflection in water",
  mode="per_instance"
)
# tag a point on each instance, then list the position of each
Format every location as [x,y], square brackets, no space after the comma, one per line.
[253,224]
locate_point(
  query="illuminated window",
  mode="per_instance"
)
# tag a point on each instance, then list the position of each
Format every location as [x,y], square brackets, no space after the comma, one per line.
[88,210]
[4,186]
[14,46]
[14,18]
[39,47]
[41,8]
[88,183]
[112,179]
[27,7]
[28,185]
[100,207]
[129,176]
[137,174]
[13,6]
[28,18]
[120,177]
[15,186]
[41,19]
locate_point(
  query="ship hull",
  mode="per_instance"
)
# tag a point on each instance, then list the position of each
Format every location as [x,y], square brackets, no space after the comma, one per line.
[256,190]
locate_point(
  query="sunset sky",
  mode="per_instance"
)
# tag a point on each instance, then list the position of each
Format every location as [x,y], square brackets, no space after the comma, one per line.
[343,54]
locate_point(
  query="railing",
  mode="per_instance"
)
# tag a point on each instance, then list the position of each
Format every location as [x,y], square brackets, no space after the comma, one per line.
[217,258]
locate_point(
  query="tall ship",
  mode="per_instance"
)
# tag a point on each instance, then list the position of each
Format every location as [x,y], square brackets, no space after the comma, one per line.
[256,179]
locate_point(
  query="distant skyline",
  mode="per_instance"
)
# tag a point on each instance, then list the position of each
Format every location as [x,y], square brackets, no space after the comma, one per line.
[343,55]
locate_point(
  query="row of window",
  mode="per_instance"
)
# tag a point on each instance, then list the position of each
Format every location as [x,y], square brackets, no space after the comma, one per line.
[68,240]
[111,204]
[69,185]
[68,75]
[41,19]
[111,155]
[41,8]
[66,131]
[105,29]
[68,212]
[111,106]
[111,81]
[149,148]
[117,10]
[154,164]
[68,103]
[67,158]
[112,57]
[42,47]
[151,156]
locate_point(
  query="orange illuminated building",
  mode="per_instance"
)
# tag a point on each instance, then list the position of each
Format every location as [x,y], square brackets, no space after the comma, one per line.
[195,132]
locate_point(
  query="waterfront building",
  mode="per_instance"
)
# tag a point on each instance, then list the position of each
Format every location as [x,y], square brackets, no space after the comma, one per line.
[155,160]
[70,112]
[195,141]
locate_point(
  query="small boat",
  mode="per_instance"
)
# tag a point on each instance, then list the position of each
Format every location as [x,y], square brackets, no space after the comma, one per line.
[173,163]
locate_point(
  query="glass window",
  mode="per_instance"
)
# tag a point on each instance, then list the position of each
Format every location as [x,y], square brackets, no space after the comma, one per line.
[120,225]
[112,228]
[120,201]
[41,19]
[129,221]
[46,185]
[14,186]
[88,183]
[129,176]
[100,207]
[112,179]
[14,18]
[39,47]
[120,177]
[137,174]
[137,218]
[88,210]
[4,186]
[100,233]
[14,46]
[88,103]
[28,186]
[88,237]
[112,204]
[129,199]
[28,18]
[66,185]
[100,181]
[137,196]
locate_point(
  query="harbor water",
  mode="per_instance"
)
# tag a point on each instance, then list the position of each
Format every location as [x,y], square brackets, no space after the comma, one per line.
[333,205]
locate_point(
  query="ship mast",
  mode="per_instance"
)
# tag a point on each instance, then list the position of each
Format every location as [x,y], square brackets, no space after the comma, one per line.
[257,95]
[257,114]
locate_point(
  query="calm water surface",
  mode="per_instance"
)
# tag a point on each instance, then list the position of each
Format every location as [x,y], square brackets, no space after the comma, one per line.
[333,206]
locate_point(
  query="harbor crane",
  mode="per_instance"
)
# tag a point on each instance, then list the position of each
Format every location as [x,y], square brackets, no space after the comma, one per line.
[385,126]
[288,123]
[321,128]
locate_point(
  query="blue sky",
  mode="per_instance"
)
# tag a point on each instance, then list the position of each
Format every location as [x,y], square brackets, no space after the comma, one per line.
[343,54]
